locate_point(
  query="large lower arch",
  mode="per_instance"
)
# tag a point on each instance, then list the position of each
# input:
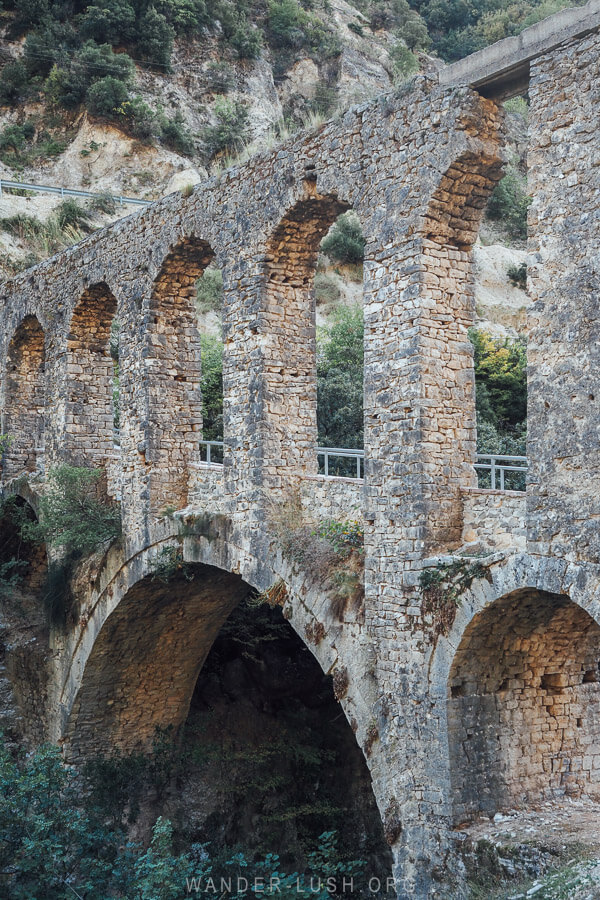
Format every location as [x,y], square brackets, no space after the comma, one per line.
[24,398]
[289,438]
[145,661]
[89,426]
[174,374]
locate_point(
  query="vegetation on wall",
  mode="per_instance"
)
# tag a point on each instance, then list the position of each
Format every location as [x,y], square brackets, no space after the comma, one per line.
[501,391]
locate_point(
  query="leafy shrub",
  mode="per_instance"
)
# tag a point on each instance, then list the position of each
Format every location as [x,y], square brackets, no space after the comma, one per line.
[517,275]
[509,203]
[345,242]
[186,16]
[112,22]
[13,83]
[291,28]
[246,41]
[55,836]
[220,77]
[343,536]
[106,97]
[405,63]
[169,564]
[177,135]
[155,39]
[14,137]
[53,44]
[73,517]
[141,120]
[209,291]
[229,130]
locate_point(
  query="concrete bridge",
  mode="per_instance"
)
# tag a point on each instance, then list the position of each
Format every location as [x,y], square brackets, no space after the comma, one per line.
[460,709]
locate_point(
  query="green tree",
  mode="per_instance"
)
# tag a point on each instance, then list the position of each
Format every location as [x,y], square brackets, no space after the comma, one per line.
[501,381]
[212,388]
[13,83]
[345,242]
[155,39]
[340,363]
[112,22]
[106,96]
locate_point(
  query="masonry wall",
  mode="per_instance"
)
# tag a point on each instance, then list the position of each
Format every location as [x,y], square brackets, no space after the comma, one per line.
[524,706]
[563,318]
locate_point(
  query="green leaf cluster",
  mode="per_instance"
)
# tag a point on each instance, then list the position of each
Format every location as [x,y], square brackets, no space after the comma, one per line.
[73,516]
[340,380]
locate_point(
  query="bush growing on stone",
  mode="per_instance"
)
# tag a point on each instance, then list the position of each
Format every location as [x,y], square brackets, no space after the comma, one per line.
[106,97]
[73,516]
[517,275]
[230,129]
[220,77]
[246,41]
[345,242]
[176,135]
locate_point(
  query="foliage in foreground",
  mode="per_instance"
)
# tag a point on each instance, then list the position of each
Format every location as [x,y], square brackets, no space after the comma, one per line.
[56,844]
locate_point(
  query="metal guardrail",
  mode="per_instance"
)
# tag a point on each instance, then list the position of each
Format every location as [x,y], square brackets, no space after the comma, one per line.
[206,449]
[498,466]
[495,464]
[326,453]
[68,192]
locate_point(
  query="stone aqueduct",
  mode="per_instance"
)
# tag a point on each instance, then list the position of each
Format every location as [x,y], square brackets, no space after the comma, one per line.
[503,709]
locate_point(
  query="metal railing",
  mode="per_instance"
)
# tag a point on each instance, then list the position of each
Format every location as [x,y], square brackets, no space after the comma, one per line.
[355,469]
[502,472]
[211,452]
[67,192]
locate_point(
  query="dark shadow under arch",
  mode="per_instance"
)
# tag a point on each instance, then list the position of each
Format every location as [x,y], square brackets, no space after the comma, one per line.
[524,705]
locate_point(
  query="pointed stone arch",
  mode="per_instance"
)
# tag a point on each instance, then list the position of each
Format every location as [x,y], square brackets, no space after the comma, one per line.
[446,415]
[289,388]
[89,425]
[23,419]
[174,373]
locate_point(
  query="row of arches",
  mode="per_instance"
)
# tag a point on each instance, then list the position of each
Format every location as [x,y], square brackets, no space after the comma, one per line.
[271,367]
[172,364]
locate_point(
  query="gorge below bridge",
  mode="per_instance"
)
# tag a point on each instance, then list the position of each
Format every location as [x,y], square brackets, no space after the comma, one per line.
[461,709]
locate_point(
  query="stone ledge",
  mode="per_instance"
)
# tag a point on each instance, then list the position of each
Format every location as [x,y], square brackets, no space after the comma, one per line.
[502,70]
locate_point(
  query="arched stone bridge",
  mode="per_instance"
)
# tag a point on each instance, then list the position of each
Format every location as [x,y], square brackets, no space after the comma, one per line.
[459,712]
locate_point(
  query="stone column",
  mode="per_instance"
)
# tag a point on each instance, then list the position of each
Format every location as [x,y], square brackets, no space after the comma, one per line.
[563,502]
